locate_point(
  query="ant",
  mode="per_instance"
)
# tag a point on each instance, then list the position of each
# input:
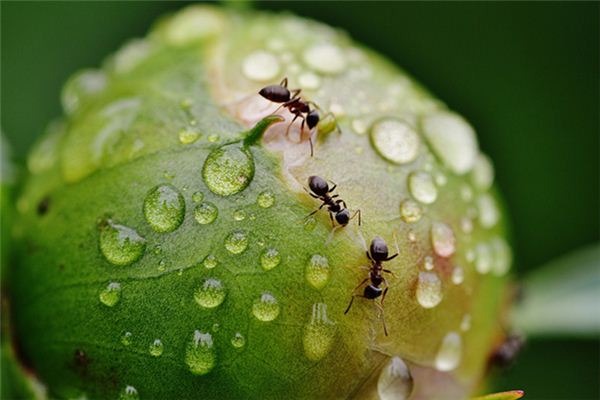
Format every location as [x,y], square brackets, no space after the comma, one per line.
[377,254]
[319,189]
[291,100]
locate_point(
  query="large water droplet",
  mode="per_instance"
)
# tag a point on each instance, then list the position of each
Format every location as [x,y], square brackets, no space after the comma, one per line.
[120,244]
[395,381]
[164,208]
[410,211]
[210,261]
[453,140]
[488,211]
[205,213]
[210,294]
[238,340]
[126,338]
[265,308]
[422,188]
[319,333]
[270,258]
[111,294]
[502,256]
[317,271]
[442,239]
[236,242]
[429,289]
[450,352]
[482,175]
[156,348]
[325,58]
[129,393]
[228,170]
[265,199]
[260,66]
[200,354]
[483,258]
[395,140]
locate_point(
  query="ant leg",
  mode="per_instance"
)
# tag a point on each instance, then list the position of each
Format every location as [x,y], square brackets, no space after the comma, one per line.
[312,147]
[369,255]
[331,189]
[310,193]
[389,272]
[331,218]
[360,284]
[350,305]
[396,241]
[335,195]
[287,131]
[391,257]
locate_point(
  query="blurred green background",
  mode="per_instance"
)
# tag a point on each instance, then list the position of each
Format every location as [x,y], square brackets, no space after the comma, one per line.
[525,74]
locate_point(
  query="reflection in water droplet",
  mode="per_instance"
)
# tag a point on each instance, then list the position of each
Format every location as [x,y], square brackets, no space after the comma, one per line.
[325,58]
[442,239]
[228,170]
[395,381]
[429,289]
[210,294]
[266,307]
[210,261]
[319,333]
[458,275]
[111,295]
[450,352]
[164,208]
[126,338]
[317,271]
[483,260]
[270,258]
[188,136]
[156,348]
[265,199]
[236,242]
[422,188]
[200,354]
[260,66]
[129,393]
[395,140]
[488,211]
[410,211]
[238,340]
[206,213]
[120,244]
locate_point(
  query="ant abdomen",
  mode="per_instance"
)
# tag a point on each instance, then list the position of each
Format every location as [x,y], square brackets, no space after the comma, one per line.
[372,292]
[318,185]
[379,249]
[275,93]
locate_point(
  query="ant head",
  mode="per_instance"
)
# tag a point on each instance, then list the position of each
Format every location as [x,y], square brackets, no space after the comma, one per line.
[378,249]
[343,217]
[312,119]
[275,93]
[318,185]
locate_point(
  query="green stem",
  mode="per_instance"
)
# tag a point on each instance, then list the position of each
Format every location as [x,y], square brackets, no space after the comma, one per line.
[257,131]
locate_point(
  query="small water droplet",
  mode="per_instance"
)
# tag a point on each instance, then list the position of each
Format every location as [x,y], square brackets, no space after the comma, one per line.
[470,256]
[236,242]
[422,188]
[197,197]
[111,294]
[238,340]
[188,136]
[309,80]
[228,170]
[428,264]
[317,271]
[270,258]
[205,213]
[488,211]
[483,261]
[216,327]
[120,244]
[458,275]
[210,294]
[260,66]
[156,348]
[126,338]
[465,324]
[162,265]
[482,175]
[239,215]
[502,256]
[265,199]
[440,179]
[429,289]
[266,308]
[193,24]
[359,126]
[310,224]
[410,211]
[213,138]
[80,87]
[466,193]
[157,250]
[200,354]
[325,58]
[129,393]
[412,236]
[319,333]
[210,261]
[395,381]
[164,208]
[450,352]
[395,140]
[442,239]
[466,225]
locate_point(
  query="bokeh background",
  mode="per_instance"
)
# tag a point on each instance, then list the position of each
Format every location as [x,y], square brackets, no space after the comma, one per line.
[526,75]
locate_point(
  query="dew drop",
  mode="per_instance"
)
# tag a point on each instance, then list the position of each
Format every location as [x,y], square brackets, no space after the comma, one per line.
[309,80]
[466,225]
[111,294]
[80,87]
[359,126]
[317,271]
[482,175]
[213,138]
[266,308]
[260,66]
[429,289]
[265,199]
[164,208]
[129,393]
[428,264]
[126,338]
[239,215]
[120,244]
[483,258]
[162,265]
[210,261]
[395,140]
[442,239]
[465,324]
[197,197]
[412,236]
[205,213]
[238,340]
[502,256]
[210,294]
[188,136]
[458,275]
[466,193]
[422,188]
[193,24]
[395,381]
[156,348]
[228,170]
[236,242]
[325,58]
[450,352]
[410,211]
[270,258]
[200,354]
[319,333]
[488,211]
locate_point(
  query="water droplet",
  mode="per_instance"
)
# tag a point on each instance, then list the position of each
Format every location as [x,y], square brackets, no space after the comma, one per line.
[458,275]
[502,256]
[317,271]
[265,199]
[450,352]
[359,126]
[260,66]
[465,324]
[197,197]
[120,244]
[239,215]
[188,136]
[422,188]
[126,338]
[452,139]
[216,327]
[205,213]
[236,242]
[310,224]
[162,265]
[213,138]
[266,308]
[111,294]
[325,58]
[483,261]
[228,170]
[412,236]
[238,340]
[395,140]
[210,294]
[156,348]
[482,175]
[470,256]
[157,250]
[80,87]
[200,354]
[270,258]
[164,208]
[466,225]
[428,264]
[395,381]
[309,80]
[210,261]
[488,211]
[429,289]
[129,393]
[192,24]
[410,211]
[319,333]
[442,239]
[466,193]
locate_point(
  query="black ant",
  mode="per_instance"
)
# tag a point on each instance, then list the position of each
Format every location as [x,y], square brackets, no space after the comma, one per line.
[291,100]
[319,189]
[377,254]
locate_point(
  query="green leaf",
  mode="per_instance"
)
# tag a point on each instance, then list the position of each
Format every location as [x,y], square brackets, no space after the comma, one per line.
[510,395]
